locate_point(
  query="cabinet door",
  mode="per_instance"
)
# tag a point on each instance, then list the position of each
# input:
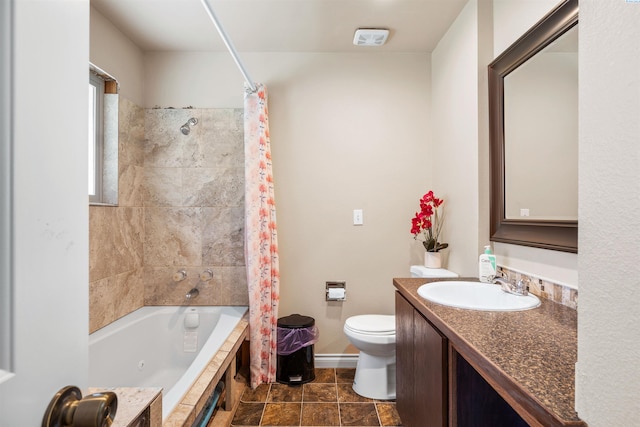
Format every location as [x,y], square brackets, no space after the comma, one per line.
[421,369]
[405,378]
[430,366]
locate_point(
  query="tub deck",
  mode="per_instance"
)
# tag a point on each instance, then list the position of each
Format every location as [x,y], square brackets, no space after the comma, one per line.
[133,401]
[221,366]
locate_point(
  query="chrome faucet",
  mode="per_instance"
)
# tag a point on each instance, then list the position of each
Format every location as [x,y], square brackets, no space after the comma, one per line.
[192,294]
[518,288]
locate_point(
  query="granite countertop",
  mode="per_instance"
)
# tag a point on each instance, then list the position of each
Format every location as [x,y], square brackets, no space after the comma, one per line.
[527,356]
[132,402]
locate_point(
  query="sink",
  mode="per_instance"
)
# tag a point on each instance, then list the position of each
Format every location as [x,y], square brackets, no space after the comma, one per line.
[476,296]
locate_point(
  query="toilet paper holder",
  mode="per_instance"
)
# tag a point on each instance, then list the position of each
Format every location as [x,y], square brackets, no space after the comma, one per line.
[336,291]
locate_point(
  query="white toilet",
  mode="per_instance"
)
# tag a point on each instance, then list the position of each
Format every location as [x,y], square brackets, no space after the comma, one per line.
[375,336]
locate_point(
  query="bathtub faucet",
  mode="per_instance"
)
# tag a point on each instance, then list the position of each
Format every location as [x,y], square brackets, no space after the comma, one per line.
[192,294]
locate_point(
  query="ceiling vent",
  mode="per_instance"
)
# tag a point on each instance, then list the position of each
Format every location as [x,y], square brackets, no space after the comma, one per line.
[370,37]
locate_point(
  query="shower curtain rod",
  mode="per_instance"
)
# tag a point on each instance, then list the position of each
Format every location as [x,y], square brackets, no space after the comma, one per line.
[228,44]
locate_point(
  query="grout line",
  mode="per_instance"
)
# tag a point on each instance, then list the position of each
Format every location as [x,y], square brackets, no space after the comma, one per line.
[375,405]
[264,407]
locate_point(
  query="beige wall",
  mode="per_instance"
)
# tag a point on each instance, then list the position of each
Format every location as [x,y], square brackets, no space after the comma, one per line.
[350,132]
[512,18]
[113,52]
[460,135]
[607,374]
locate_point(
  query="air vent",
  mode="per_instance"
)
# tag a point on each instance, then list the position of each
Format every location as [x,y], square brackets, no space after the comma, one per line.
[370,37]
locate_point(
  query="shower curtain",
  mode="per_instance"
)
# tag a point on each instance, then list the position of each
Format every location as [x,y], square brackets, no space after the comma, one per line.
[261,239]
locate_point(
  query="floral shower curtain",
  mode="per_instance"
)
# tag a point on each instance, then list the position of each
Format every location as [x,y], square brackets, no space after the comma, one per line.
[261,239]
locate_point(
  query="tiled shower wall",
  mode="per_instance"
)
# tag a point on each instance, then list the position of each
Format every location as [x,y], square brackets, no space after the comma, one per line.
[116,233]
[181,206]
[194,206]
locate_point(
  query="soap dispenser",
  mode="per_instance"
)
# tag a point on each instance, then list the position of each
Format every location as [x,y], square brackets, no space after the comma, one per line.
[487,265]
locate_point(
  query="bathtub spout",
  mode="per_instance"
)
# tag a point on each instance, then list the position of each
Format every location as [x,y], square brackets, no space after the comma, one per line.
[192,294]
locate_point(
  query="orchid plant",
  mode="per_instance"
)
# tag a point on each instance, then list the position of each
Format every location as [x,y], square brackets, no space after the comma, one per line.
[428,222]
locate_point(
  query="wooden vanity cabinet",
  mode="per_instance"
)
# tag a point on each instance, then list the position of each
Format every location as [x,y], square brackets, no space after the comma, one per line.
[421,369]
[435,385]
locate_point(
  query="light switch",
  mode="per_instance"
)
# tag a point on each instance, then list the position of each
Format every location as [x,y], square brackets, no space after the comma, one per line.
[357,217]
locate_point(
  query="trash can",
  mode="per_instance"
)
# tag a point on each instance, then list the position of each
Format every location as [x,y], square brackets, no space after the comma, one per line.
[296,336]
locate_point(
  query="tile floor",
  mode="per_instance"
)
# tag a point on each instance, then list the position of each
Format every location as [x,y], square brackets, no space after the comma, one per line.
[328,400]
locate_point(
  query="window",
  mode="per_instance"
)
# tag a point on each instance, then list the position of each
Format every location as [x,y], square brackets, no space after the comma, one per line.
[102,138]
[95,137]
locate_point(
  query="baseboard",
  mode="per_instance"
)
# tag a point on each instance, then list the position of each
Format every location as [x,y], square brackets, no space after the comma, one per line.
[335,360]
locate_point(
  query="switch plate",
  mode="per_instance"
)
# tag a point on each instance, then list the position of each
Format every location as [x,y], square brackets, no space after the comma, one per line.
[357,217]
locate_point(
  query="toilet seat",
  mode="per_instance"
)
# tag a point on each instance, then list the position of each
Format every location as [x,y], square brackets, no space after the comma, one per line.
[372,324]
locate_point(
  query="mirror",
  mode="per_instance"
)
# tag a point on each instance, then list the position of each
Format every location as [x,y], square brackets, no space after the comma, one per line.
[533,151]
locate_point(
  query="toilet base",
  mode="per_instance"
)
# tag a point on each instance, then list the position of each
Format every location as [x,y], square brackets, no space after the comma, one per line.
[375,377]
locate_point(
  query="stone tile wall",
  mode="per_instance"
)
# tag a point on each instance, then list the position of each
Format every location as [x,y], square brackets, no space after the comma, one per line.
[194,206]
[116,233]
[544,288]
[181,206]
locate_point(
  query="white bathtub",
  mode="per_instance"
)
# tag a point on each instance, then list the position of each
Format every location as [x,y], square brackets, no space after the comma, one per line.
[154,347]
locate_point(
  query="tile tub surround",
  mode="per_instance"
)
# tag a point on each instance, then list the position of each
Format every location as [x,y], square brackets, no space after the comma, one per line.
[181,206]
[116,233]
[194,206]
[531,351]
[328,400]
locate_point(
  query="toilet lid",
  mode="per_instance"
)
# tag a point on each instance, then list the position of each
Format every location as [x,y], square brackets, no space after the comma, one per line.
[373,323]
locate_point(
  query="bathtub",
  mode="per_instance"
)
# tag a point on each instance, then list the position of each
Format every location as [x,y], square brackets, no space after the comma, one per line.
[164,347]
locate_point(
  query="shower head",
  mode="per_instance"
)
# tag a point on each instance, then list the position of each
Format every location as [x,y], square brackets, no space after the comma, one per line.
[186,128]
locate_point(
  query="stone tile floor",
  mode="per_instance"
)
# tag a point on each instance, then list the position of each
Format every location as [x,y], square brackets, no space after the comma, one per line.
[328,400]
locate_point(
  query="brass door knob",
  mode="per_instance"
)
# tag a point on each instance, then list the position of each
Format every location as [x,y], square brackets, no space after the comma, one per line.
[69,408]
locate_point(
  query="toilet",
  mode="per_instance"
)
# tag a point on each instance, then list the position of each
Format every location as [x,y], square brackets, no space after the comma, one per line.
[375,336]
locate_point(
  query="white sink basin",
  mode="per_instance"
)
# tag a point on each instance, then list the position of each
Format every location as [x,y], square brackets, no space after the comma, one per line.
[476,296]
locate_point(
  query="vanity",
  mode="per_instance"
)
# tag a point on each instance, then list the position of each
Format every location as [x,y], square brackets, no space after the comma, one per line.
[459,367]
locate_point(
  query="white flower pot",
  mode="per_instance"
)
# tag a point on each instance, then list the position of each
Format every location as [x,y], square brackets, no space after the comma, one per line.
[432,260]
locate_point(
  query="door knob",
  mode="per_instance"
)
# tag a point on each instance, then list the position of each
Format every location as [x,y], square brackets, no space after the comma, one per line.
[69,408]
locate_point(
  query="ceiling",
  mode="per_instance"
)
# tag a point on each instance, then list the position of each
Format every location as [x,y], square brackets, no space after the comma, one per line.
[281,25]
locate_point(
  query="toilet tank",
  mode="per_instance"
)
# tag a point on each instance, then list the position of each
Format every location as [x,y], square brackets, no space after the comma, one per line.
[422,271]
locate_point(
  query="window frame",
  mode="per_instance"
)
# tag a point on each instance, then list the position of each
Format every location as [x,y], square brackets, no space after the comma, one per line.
[98,83]
[6,191]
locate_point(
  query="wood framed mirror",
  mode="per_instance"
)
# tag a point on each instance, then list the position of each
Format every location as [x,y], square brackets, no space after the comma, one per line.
[550,230]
